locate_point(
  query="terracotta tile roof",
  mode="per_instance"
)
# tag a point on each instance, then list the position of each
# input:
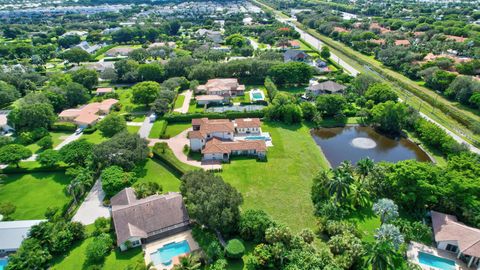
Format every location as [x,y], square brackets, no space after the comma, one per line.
[340,29]
[402,42]
[70,113]
[226,84]
[215,146]
[456,38]
[86,118]
[209,98]
[102,90]
[247,122]
[448,228]
[294,43]
[148,216]
[378,41]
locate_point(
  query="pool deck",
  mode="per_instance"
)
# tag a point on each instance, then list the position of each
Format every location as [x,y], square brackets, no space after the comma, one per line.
[414,248]
[242,137]
[154,246]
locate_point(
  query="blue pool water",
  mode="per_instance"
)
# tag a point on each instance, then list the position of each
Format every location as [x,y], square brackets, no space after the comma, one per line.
[435,261]
[165,254]
[3,263]
[258,138]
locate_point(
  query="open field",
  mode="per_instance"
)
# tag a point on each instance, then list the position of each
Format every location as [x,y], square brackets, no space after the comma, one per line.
[155,171]
[280,186]
[179,101]
[176,128]
[33,193]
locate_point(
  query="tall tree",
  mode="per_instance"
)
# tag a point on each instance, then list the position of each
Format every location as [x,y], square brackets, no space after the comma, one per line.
[145,92]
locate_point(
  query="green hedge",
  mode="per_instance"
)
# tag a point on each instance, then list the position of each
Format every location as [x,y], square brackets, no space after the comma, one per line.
[234,249]
[174,118]
[22,170]
[63,126]
[159,152]
[90,130]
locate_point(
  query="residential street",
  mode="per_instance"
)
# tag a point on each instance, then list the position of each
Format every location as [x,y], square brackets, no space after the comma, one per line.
[145,128]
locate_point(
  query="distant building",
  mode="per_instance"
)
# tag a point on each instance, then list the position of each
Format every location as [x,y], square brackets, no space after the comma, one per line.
[4,127]
[75,33]
[12,234]
[214,36]
[140,221]
[86,47]
[119,51]
[328,87]
[219,88]
[88,115]
[295,55]
[170,44]
[402,42]
[103,90]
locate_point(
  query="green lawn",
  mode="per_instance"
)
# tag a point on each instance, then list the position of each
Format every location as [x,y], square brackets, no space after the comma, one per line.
[139,118]
[179,101]
[158,127]
[280,186]
[133,129]
[33,193]
[193,108]
[95,137]
[155,171]
[367,223]
[58,136]
[176,128]
[125,95]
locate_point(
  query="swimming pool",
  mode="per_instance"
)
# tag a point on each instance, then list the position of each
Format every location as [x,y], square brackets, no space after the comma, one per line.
[3,263]
[165,254]
[257,138]
[257,95]
[435,261]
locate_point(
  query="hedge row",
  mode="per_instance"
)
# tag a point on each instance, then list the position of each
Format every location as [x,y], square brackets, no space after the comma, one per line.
[448,110]
[63,126]
[175,118]
[159,153]
[21,170]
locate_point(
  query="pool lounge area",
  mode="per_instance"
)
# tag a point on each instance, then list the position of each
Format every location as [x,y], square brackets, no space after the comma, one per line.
[429,258]
[256,95]
[164,253]
[264,136]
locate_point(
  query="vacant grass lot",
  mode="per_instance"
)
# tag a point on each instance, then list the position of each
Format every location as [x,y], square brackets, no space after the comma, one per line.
[179,101]
[176,128]
[155,171]
[95,137]
[280,186]
[33,193]
[157,129]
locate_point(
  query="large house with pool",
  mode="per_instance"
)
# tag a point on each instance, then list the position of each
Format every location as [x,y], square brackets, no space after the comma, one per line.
[458,238]
[142,221]
[218,139]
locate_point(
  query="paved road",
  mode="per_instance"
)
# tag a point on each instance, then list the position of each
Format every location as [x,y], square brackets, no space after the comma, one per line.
[186,102]
[316,43]
[92,207]
[145,128]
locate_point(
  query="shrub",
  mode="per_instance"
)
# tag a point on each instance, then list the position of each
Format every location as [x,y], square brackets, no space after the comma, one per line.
[45,142]
[48,158]
[114,179]
[253,224]
[7,209]
[235,249]
[97,250]
[143,190]
[102,225]
[64,126]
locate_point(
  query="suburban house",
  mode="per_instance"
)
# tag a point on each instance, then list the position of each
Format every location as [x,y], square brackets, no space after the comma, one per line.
[328,87]
[214,36]
[86,47]
[170,44]
[217,139]
[295,55]
[294,44]
[140,221]
[89,114]
[103,90]
[219,91]
[4,127]
[456,237]
[12,233]
[119,51]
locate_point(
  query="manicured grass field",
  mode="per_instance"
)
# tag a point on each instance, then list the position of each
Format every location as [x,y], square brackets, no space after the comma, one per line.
[157,129]
[367,223]
[155,171]
[281,185]
[33,193]
[125,95]
[176,128]
[179,101]
[95,137]
[133,129]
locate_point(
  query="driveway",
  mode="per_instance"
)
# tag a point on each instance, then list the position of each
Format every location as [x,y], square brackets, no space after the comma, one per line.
[145,128]
[177,143]
[68,140]
[186,102]
[92,207]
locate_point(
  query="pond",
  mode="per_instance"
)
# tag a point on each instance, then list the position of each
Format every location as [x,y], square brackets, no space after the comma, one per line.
[356,142]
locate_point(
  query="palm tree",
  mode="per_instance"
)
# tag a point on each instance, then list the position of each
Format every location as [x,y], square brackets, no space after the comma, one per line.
[382,256]
[76,188]
[359,195]
[188,262]
[365,166]
[339,185]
